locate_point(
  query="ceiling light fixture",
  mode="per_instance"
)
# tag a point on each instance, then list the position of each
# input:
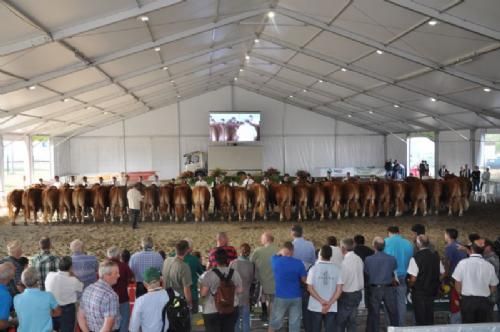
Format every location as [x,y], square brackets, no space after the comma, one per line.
[157,49]
[432,23]
[164,68]
[433,99]
[65,100]
[87,107]
[371,112]
[178,96]
[247,57]
[396,106]
[343,69]
[486,89]
[241,70]
[105,112]
[291,96]
[320,81]
[379,52]
[271,14]
[143,18]
[256,40]
[236,78]
[349,115]
[32,87]
[172,81]
[304,90]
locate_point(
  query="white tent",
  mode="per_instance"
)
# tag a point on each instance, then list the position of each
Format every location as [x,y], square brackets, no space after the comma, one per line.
[127,84]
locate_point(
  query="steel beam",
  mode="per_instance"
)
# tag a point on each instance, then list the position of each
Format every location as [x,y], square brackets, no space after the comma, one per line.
[358,90]
[388,81]
[386,48]
[133,50]
[447,18]
[84,26]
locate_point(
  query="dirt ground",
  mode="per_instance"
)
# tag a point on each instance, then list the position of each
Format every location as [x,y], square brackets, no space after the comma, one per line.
[481,218]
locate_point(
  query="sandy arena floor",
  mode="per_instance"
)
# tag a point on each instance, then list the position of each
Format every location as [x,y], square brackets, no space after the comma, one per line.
[483,219]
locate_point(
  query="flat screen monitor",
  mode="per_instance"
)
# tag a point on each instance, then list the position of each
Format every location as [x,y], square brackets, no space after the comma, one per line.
[234,126]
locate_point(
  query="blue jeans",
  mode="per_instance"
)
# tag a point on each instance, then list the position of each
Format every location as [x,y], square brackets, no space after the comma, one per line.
[385,297]
[243,322]
[280,308]
[348,310]
[125,314]
[134,215]
[401,300]
[318,319]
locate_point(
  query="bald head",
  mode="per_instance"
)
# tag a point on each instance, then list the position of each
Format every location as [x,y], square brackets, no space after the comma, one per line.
[14,249]
[76,246]
[266,238]
[222,239]
[378,243]
[7,272]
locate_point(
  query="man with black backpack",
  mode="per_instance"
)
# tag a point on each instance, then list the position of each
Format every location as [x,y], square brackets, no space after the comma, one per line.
[220,288]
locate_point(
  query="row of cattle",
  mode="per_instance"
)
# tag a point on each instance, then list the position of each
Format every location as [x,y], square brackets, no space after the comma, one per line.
[329,198]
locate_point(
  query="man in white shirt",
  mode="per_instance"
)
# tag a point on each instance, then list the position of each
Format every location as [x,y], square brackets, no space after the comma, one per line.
[246,132]
[337,257]
[134,198]
[325,286]
[147,314]
[485,179]
[72,181]
[124,180]
[65,288]
[353,283]
[248,181]
[156,180]
[56,183]
[425,270]
[475,281]
[201,182]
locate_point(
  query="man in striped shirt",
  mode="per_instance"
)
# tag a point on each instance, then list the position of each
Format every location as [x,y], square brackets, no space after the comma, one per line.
[141,261]
[84,266]
[99,307]
[44,262]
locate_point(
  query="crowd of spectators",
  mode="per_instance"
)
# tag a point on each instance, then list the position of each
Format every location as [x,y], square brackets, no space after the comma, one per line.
[294,284]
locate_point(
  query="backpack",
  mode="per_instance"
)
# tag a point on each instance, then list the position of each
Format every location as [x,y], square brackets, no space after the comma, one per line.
[177,312]
[224,295]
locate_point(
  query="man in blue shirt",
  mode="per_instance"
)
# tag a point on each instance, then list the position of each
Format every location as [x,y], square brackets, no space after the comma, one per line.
[7,273]
[302,249]
[289,273]
[34,307]
[379,271]
[402,250]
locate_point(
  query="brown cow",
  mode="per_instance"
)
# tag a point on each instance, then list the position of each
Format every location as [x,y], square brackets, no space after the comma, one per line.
[301,198]
[434,194]
[100,201]
[284,198]
[452,195]
[260,200]
[416,193]
[66,202]
[383,193]
[15,204]
[117,202]
[50,202]
[151,203]
[240,202]
[182,201]
[398,189]
[350,191]
[32,202]
[317,194]
[166,201]
[223,195]
[367,197]
[201,202]
[465,190]
[333,191]
[81,201]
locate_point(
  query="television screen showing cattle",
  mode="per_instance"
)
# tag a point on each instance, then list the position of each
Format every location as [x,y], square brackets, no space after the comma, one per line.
[235,126]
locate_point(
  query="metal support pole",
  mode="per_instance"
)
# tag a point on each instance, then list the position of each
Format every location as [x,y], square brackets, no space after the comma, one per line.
[283,141]
[437,162]
[124,148]
[179,136]
[472,140]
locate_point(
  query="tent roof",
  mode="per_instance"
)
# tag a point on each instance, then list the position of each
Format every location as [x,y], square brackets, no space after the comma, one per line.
[389,66]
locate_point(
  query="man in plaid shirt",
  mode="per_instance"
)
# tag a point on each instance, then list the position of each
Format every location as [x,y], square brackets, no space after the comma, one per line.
[143,260]
[44,262]
[222,242]
[99,307]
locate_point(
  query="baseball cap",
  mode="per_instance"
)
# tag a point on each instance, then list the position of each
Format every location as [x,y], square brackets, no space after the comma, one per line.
[151,274]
